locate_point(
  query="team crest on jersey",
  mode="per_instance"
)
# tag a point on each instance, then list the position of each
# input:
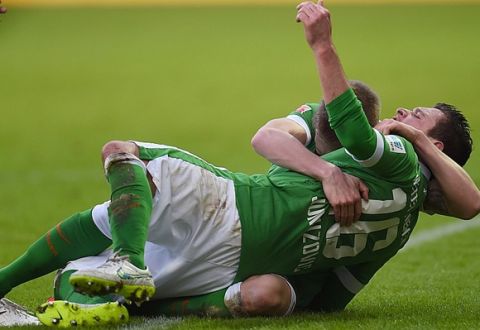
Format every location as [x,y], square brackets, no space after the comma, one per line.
[303,108]
[395,144]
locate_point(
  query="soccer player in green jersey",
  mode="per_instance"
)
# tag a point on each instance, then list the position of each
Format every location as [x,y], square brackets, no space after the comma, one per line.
[205,227]
[463,203]
[309,126]
[331,291]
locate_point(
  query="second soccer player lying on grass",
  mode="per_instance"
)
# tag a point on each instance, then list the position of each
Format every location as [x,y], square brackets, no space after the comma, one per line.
[181,227]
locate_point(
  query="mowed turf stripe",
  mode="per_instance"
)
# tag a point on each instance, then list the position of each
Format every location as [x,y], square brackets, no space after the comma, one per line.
[430,235]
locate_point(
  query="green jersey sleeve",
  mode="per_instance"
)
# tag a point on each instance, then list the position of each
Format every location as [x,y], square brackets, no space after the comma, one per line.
[391,157]
[333,290]
[304,117]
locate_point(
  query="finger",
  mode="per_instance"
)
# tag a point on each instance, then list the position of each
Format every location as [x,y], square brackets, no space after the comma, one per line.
[309,9]
[357,210]
[305,14]
[337,211]
[301,17]
[350,214]
[3,10]
[344,215]
[363,189]
[302,4]
[384,128]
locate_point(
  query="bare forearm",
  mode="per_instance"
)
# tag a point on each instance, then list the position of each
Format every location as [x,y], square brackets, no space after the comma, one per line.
[461,197]
[318,33]
[330,70]
[452,192]
[283,149]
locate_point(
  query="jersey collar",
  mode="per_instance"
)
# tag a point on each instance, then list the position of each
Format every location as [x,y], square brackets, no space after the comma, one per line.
[425,171]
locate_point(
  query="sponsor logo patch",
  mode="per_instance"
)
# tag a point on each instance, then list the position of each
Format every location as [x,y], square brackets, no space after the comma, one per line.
[395,144]
[303,108]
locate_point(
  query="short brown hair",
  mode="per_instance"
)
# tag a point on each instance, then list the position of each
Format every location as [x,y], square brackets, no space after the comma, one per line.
[371,106]
[454,131]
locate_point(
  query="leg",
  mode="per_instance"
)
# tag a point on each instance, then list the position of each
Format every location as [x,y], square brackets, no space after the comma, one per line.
[263,295]
[129,216]
[131,198]
[210,305]
[74,238]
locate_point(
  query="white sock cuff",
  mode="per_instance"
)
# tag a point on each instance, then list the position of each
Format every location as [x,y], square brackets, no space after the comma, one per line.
[123,157]
[293,296]
[293,299]
[232,299]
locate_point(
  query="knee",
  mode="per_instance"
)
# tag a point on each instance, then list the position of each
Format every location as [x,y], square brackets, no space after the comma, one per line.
[266,295]
[113,147]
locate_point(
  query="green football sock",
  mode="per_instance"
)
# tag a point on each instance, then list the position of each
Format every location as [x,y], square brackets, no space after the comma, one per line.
[130,209]
[74,238]
[210,304]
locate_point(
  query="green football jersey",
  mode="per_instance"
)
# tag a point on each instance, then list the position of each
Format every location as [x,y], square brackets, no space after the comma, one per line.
[306,113]
[304,117]
[288,227]
[337,286]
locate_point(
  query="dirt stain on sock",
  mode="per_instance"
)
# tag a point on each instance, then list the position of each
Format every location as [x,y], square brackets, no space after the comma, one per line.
[62,234]
[121,206]
[51,247]
[126,173]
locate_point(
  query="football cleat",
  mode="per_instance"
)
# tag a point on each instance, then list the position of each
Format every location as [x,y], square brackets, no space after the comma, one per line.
[118,276]
[12,314]
[64,314]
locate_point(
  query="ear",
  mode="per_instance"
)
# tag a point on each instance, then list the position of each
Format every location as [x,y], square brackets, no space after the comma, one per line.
[438,144]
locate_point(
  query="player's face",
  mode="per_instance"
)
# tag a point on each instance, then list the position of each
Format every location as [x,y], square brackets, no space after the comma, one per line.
[421,118]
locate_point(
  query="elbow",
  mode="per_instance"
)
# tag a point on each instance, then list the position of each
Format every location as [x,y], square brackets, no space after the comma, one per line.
[260,140]
[468,213]
[473,211]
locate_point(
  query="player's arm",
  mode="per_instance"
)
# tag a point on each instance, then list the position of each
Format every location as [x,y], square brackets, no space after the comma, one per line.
[390,156]
[336,92]
[452,192]
[282,141]
[318,32]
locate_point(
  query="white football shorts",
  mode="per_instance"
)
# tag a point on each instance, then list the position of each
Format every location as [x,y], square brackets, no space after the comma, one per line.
[194,236]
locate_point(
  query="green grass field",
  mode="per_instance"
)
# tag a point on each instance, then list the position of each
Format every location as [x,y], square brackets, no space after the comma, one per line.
[205,79]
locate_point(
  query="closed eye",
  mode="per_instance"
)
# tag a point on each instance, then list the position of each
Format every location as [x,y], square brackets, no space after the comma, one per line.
[417,113]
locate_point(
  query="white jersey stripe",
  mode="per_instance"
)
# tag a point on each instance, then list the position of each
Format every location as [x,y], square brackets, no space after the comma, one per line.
[300,121]
[377,154]
[348,280]
[426,236]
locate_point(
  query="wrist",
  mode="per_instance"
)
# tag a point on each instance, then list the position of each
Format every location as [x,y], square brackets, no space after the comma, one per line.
[425,148]
[419,140]
[323,48]
[325,170]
